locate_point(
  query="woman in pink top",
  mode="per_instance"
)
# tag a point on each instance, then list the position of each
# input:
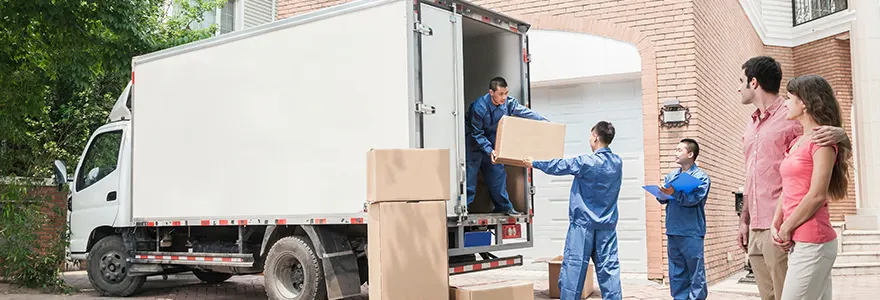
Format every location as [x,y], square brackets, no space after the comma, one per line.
[811,175]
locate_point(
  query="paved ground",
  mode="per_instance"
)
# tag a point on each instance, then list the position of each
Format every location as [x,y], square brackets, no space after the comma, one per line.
[186,286]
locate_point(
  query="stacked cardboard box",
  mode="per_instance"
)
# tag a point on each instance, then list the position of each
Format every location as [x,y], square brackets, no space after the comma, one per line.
[502,290]
[407,246]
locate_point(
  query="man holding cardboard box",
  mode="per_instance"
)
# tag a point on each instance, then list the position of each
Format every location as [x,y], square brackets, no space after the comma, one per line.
[592,212]
[482,125]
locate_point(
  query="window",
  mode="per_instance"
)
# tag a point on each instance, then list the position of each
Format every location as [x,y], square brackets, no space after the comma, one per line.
[100,160]
[227,17]
[808,10]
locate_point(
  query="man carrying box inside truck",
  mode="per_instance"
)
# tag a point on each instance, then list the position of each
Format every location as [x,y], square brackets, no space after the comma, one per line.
[482,124]
[592,213]
[686,225]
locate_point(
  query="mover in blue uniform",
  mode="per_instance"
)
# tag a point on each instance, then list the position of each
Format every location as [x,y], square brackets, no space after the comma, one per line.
[686,226]
[592,213]
[482,123]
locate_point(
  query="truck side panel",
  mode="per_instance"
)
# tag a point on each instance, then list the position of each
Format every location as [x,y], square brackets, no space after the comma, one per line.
[276,121]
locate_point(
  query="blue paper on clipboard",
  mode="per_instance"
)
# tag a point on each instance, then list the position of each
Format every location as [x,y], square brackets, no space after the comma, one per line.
[655,190]
[685,183]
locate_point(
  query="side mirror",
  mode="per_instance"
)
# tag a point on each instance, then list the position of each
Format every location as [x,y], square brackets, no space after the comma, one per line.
[60,171]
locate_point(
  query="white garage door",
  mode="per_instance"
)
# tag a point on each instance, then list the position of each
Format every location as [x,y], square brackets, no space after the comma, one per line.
[580,107]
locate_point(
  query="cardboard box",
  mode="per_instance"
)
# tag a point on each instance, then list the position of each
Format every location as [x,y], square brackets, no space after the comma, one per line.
[516,190]
[504,290]
[408,175]
[555,266]
[406,252]
[518,138]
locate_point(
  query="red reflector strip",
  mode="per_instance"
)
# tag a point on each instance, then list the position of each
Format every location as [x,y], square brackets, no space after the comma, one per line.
[483,222]
[357,220]
[513,29]
[132,77]
[242,222]
[224,222]
[511,220]
[189,258]
[205,222]
[281,221]
[486,19]
[151,224]
[319,221]
[484,266]
[175,223]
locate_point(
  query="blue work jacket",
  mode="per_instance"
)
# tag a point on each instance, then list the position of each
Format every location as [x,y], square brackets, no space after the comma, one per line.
[686,214]
[595,188]
[482,120]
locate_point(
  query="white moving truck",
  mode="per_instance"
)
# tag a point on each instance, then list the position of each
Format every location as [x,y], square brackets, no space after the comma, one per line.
[246,153]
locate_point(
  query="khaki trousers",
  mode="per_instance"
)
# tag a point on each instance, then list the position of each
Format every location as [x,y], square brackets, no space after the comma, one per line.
[809,276]
[768,263]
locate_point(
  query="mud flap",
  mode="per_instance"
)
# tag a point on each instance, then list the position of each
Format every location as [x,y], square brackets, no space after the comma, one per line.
[339,262]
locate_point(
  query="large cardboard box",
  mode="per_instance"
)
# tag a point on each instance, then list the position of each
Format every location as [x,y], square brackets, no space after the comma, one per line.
[408,175]
[406,252]
[518,138]
[555,266]
[504,290]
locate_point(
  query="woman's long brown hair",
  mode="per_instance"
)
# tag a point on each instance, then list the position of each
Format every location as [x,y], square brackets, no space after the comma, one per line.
[822,106]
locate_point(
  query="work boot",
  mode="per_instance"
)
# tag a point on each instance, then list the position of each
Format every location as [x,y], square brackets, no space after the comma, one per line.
[509,212]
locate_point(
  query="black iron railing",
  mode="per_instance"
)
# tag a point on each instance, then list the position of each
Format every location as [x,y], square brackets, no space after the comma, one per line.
[804,11]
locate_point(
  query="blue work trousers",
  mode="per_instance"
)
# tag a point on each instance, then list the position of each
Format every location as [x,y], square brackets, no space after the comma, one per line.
[581,244]
[687,275]
[494,176]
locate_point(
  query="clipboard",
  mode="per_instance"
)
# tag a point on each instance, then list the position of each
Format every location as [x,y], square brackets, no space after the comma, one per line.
[685,182]
[655,190]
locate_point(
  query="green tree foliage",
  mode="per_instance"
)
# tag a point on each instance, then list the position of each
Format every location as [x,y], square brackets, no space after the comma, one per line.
[63,63]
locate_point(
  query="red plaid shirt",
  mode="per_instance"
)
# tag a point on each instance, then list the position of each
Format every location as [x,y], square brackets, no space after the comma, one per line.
[765,141]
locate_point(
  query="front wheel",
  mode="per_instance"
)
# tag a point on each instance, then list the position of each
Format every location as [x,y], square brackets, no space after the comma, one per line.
[293,271]
[108,268]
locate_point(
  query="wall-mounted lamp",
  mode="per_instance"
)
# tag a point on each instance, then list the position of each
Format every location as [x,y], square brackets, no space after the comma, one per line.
[673,114]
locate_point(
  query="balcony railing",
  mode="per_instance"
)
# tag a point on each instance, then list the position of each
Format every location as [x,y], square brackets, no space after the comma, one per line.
[808,10]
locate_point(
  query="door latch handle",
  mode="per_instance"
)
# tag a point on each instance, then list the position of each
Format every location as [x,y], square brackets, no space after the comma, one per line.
[111,196]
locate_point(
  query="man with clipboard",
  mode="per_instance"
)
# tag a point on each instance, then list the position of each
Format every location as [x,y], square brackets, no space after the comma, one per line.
[685,194]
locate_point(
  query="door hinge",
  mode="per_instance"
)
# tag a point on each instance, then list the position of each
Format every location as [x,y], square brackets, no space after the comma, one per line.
[423,29]
[425,109]
[532,190]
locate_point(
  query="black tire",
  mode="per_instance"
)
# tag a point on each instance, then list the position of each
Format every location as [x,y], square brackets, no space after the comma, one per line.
[211,277]
[293,271]
[108,268]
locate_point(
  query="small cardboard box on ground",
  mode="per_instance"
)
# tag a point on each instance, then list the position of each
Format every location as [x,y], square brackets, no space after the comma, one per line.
[408,175]
[503,290]
[518,138]
[555,266]
[407,250]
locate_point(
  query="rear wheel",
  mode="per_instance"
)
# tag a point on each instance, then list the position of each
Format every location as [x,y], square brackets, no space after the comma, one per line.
[211,277]
[108,268]
[293,271]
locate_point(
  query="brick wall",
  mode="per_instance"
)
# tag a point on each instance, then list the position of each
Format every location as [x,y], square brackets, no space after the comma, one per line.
[54,206]
[725,40]
[830,58]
